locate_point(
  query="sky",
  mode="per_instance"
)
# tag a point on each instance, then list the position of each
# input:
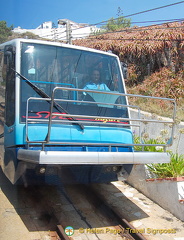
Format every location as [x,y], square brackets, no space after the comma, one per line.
[29,14]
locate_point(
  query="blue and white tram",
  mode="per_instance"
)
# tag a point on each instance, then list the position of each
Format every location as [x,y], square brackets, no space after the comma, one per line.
[55,120]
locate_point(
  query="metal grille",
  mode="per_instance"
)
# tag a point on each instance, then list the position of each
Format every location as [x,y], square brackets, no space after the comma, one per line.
[66,118]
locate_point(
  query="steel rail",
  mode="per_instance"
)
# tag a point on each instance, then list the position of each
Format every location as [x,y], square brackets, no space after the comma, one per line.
[122,221]
[112,93]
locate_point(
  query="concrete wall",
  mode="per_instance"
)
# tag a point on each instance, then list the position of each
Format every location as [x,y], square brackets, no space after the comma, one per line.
[168,194]
[161,130]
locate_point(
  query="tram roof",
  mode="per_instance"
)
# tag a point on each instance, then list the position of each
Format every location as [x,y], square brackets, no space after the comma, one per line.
[18,40]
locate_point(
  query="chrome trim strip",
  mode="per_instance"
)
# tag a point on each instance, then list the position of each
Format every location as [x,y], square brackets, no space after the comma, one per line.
[75,158]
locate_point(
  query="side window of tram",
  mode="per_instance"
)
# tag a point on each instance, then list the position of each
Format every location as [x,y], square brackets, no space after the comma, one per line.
[2,92]
[9,63]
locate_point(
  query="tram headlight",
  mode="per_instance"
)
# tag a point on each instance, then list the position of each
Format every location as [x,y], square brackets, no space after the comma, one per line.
[112,169]
[42,170]
[115,168]
[108,169]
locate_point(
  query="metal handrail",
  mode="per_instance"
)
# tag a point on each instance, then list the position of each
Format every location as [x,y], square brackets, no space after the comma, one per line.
[129,120]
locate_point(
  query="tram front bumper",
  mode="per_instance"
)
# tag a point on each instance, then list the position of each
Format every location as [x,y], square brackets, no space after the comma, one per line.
[94,158]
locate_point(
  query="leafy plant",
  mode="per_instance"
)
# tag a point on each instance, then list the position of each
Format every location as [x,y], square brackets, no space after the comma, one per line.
[148,141]
[155,61]
[5,31]
[149,49]
[173,169]
[162,170]
[117,23]
[164,83]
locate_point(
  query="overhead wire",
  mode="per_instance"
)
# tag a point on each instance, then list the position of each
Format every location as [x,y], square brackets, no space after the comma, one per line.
[163,21]
[133,14]
[134,29]
[54,33]
[141,29]
[153,9]
[139,39]
[129,30]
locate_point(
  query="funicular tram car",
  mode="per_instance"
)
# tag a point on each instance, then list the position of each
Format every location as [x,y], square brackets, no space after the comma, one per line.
[56,121]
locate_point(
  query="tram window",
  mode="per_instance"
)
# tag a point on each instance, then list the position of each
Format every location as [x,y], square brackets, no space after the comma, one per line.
[71,68]
[10,91]
[2,92]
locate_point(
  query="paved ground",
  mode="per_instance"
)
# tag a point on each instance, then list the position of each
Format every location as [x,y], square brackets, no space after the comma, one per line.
[146,216]
[153,221]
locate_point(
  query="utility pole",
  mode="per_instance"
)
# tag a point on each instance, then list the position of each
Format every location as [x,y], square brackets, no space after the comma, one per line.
[68,30]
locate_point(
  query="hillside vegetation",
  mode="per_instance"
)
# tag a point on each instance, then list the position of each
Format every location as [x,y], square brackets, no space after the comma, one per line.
[154,55]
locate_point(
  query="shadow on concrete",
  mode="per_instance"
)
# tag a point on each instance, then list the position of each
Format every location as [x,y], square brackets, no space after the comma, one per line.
[42,207]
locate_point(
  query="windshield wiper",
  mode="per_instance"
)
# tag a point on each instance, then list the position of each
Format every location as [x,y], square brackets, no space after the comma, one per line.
[42,94]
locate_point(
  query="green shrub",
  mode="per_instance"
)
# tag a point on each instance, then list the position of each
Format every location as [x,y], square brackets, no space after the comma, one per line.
[162,170]
[148,148]
[173,169]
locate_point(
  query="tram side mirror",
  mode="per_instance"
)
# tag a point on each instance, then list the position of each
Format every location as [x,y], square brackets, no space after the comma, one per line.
[8,57]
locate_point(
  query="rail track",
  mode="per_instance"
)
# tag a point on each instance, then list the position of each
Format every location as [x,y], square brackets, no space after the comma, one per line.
[121,228]
[81,207]
[99,211]
[49,209]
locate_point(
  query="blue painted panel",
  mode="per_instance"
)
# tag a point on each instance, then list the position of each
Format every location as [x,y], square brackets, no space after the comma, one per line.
[20,134]
[117,135]
[38,132]
[58,133]
[9,136]
[90,134]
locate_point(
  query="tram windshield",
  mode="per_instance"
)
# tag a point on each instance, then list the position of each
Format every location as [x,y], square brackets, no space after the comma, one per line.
[48,66]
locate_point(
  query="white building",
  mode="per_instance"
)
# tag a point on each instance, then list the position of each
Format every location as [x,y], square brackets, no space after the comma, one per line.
[65,27]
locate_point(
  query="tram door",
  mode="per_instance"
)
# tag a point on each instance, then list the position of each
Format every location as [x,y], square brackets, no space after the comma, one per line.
[7,108]
[9,63]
